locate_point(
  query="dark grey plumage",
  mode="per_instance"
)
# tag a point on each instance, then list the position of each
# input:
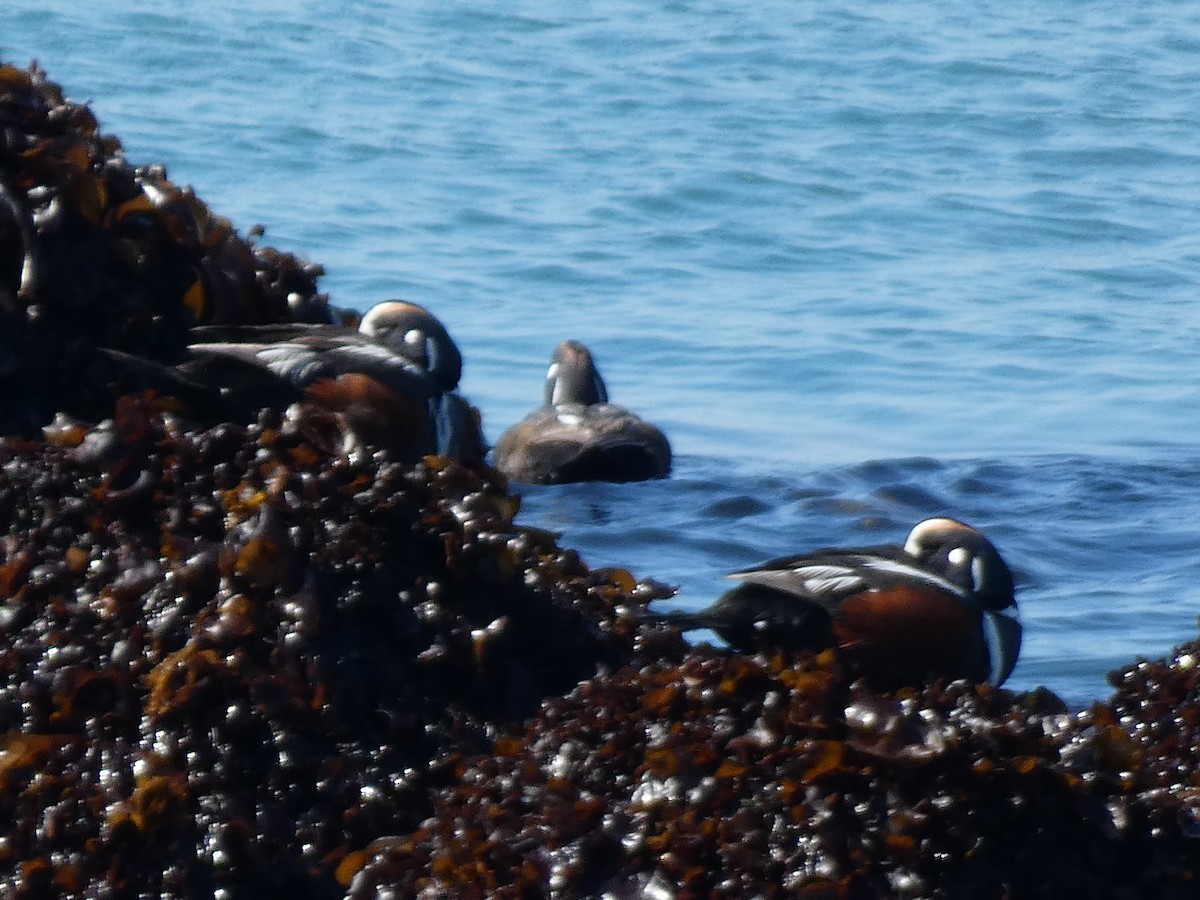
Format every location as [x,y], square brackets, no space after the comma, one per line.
[943,604]
[578,435]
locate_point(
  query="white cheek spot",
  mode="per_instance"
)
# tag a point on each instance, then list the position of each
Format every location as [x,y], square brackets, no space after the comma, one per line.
[570,419]
[414,337]
[958,556]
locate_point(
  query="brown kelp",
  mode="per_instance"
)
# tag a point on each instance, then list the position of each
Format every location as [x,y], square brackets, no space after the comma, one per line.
[97,252]
[718,775]
[229,658]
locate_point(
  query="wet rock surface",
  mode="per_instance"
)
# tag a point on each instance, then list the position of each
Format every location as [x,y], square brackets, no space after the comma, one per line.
[237,661]
[724,776]
[97,252]
[228,659]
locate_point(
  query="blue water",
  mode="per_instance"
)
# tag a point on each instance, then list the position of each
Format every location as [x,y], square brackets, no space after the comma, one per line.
[863,265]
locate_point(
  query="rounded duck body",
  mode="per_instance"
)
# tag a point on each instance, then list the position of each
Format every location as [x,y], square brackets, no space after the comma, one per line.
[941,605]
[578,435]
[384,400]
[391,379]
[407,329]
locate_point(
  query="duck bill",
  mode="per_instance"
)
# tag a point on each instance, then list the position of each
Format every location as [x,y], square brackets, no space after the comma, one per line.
[1002,631]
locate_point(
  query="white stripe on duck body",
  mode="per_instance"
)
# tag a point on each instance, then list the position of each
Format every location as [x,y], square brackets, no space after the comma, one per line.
[400,346]
[942,605]
[577,435]
[404,328]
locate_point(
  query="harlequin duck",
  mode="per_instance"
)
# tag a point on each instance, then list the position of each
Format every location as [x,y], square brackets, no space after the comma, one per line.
[941,605]
[413,331]
[578,435]
[405,328]
[390,379]
[386,399]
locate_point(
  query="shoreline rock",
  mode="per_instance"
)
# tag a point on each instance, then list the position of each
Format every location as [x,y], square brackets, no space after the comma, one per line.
[96,252]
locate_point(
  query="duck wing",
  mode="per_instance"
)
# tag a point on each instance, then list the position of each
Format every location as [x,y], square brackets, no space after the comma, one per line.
[310,357]
[234,364]
[827,578]
[269,333]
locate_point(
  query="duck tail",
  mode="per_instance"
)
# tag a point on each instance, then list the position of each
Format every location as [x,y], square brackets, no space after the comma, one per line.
[683,619]
[128,373]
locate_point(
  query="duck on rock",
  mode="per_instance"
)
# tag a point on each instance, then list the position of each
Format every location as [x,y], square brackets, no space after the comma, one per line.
[577,435]
[391,381]
[940,606]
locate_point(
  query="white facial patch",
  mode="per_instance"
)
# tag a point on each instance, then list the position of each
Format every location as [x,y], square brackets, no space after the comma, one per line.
[915,545]
[556,392]
[977,573]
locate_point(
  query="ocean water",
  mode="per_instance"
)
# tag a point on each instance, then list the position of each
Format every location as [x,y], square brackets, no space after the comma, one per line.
[863,264]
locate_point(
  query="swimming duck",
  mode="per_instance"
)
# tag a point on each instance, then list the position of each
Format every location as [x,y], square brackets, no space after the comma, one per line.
[578,435]
[941,605]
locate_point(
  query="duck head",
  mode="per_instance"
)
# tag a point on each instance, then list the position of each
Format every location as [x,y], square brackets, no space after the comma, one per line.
[964,557]
[415,333]
[573,377]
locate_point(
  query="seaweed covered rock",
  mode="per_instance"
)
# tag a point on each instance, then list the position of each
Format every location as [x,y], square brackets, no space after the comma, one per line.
[229,659]
[725,776]
[97,252]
